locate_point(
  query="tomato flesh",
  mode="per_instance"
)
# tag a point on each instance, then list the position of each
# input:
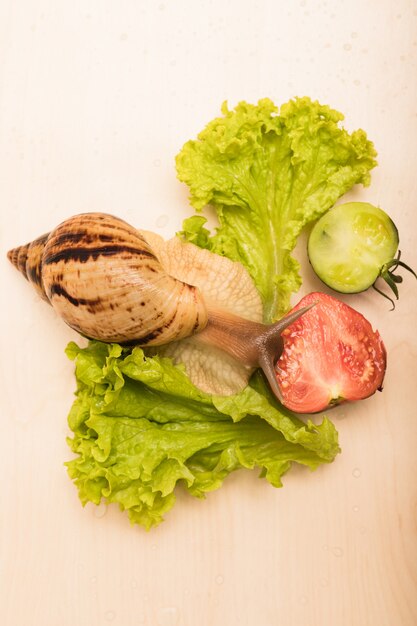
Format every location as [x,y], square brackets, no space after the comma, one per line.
[350,244]
[331,355]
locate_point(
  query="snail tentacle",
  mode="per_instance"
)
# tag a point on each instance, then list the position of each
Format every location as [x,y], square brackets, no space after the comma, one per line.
[252,343]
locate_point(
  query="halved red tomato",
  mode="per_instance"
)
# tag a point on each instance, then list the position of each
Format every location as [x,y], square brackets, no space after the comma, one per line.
[331,355]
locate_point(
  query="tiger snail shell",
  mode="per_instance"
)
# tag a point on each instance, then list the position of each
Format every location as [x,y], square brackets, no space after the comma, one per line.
[102,277]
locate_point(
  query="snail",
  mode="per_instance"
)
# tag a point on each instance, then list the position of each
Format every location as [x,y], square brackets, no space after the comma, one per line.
[114,283]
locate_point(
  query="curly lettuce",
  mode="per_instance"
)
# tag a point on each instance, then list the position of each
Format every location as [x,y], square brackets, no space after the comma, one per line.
[140,427]
[268,175]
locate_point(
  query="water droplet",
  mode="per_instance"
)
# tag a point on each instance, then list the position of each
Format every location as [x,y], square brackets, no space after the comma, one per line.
[100,510]
[123,37]
[347,46]
[357,82]
[162,221]
[353,35]
[94,580]
[134,583]
[337,551]
[157,163]
[219,579]
[356,473]
[168,616]
[109,615]
[325,547]
[355,508]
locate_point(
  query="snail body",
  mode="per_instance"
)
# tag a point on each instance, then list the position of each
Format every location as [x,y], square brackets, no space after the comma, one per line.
[114,283]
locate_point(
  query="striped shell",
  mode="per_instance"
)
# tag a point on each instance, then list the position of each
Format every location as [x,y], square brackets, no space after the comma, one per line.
[102,277]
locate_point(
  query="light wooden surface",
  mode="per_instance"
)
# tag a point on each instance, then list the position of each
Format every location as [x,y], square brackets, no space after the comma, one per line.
[96,98]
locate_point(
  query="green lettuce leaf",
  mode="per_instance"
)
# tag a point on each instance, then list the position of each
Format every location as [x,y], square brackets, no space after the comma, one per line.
[140,427]
[267,176]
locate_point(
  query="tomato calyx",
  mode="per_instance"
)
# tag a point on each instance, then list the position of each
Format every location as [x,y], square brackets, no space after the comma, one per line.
[391,279]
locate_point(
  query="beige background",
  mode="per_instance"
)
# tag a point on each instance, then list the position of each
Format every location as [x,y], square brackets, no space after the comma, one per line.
[96,98]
